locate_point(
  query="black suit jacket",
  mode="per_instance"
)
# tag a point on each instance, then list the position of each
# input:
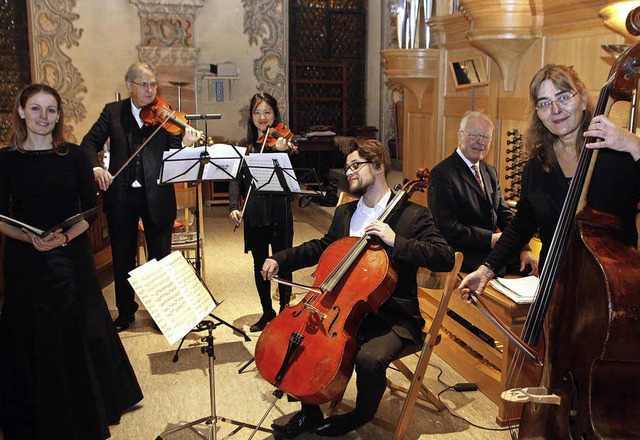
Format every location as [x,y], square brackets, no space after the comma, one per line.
[465,216]
[116,123]
[418,244]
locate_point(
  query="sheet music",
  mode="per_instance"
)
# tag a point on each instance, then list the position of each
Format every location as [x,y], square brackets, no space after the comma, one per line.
[521,290]
[183,165]
[261,168]
[172,293]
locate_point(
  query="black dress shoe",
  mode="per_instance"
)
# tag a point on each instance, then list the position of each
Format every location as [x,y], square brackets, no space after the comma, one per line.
[262,322]
[122,322]
[336,426]
[302,421]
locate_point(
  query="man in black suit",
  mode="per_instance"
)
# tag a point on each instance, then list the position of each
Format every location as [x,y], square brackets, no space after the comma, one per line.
[134,194]
[411,241]
[466,201]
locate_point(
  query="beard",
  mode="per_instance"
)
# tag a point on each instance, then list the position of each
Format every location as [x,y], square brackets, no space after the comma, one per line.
[359,189]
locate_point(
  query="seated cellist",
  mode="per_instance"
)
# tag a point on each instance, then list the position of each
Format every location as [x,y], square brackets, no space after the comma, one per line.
[411,240]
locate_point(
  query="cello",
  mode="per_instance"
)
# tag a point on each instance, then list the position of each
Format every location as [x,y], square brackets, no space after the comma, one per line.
[308,351]
[588,307]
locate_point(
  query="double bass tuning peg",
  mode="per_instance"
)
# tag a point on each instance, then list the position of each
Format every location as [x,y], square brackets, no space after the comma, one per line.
[514,132]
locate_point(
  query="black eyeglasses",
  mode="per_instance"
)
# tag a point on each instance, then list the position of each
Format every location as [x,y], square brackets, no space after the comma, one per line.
[355,166]
[146,85]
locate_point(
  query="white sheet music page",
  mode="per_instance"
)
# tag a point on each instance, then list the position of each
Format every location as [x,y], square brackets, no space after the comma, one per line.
[172,293]
[261,166]
[222,163]
[522,290]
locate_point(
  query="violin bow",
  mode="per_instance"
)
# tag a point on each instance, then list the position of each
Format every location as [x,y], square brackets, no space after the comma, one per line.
[475,299]
[244,206]
[146,141]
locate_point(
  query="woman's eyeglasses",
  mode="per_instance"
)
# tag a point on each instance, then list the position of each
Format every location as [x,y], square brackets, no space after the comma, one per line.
[355,166]
[562,101]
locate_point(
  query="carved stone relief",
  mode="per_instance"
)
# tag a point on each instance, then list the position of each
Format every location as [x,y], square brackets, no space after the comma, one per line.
[265,24]
[52,29]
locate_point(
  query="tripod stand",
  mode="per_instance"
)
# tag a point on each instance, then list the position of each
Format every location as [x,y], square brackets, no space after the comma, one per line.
[190,169]
[212,419]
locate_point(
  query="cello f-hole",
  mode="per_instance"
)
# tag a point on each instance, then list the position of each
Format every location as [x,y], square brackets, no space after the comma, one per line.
[331,333]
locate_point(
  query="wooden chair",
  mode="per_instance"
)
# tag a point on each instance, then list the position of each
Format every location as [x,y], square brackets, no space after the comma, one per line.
[183,238]
[417,390]
[187,241]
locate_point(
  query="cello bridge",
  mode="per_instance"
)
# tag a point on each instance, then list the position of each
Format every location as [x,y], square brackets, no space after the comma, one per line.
[315,310]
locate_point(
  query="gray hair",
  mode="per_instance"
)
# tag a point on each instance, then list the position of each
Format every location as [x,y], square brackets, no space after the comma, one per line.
[473,114]
[137,69]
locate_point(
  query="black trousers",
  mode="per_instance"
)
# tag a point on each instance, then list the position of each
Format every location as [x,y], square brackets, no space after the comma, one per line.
[123,232]
[259,240]
[379,346]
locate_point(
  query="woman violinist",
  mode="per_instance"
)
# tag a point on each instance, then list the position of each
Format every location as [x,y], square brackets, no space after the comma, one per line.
[268,220]
[561,120]
[134,193]
[411,240]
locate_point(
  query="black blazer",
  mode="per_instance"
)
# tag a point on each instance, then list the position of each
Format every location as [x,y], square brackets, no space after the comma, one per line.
[465,216]
[116,123]
[418,244]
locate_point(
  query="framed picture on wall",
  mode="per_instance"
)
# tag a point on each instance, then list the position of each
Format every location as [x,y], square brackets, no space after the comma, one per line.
[468,73]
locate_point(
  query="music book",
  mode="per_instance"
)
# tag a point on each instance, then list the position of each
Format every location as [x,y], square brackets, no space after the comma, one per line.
[172,294]
[63,225]
[521,290]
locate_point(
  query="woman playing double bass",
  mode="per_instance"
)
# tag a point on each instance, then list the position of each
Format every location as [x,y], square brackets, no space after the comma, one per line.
[411,241]
[586,302]
[561,120]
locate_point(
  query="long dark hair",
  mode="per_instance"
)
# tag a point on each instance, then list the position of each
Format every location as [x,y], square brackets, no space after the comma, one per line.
[252,130]
[19,132]
[538,140]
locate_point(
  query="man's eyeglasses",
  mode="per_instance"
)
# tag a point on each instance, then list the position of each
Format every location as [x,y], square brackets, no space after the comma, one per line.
[476,137]
[355,166]
[146,85]
[563,99]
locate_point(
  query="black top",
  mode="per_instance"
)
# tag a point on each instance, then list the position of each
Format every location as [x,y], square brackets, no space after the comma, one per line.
[614,189]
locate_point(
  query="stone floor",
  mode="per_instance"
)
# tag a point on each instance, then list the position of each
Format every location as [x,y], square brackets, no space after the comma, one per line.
[179,392]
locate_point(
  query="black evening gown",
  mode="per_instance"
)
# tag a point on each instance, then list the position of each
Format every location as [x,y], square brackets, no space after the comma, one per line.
[64,373]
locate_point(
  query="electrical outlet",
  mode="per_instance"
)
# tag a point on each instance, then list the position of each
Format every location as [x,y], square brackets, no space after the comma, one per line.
[219,86]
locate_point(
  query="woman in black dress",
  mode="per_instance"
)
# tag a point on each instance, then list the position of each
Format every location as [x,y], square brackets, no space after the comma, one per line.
[267,217]
[64,373]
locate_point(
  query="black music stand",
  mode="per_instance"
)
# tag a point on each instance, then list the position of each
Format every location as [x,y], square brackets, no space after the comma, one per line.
[188,165]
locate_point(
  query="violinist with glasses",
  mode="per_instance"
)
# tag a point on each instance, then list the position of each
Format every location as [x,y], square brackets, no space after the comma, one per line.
[134,193]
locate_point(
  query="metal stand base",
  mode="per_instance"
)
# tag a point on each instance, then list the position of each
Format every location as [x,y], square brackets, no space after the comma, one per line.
[212,419]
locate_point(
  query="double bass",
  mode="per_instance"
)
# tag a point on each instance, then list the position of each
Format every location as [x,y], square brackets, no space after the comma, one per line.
[588,308]
[308,351]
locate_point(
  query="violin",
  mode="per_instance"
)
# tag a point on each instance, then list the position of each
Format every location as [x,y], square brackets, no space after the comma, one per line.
[308,351]
[159,112]
[273,134]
